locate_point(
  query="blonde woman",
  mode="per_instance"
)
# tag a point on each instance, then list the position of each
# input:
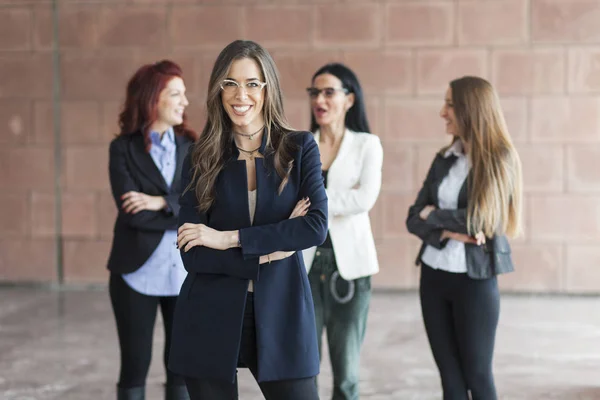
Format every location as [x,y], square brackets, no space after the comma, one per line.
[469,202]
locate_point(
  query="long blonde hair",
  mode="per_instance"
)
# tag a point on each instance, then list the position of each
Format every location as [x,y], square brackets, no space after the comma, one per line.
[213,148]
[495,182]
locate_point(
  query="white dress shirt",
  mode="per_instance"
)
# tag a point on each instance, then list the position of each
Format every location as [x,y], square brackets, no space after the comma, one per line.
[452,257]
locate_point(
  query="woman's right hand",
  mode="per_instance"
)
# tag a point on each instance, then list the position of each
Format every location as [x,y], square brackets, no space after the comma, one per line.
[299,210]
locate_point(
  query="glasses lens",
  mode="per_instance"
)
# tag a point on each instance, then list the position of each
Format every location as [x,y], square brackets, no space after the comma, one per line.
[313,92]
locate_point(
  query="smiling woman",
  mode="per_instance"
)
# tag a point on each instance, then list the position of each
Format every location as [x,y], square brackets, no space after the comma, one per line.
[146,269]
[254,198]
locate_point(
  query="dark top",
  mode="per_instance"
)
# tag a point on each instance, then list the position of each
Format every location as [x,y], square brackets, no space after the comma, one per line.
[209,314]
[483,261]
[327,243]
[131,168]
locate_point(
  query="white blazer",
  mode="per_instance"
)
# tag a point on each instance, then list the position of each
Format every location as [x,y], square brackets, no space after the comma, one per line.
[353,184]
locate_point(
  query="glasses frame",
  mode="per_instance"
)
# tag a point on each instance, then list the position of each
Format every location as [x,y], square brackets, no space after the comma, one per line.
[313,92]
[243,86]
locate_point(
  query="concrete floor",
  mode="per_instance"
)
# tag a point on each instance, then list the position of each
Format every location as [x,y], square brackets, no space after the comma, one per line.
[63,345]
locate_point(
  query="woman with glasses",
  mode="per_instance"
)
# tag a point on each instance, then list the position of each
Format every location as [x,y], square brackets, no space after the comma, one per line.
[146,271]
[340,269]
[254,198]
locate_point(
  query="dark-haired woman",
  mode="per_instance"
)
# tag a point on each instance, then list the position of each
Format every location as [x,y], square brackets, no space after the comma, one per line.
[146,271]
[341,267]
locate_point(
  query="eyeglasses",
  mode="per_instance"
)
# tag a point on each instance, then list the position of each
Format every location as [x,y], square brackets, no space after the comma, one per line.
[230,86]
[328,92]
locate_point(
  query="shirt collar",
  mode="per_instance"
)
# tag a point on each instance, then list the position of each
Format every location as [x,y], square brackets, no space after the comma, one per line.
[456,149]
[169,137]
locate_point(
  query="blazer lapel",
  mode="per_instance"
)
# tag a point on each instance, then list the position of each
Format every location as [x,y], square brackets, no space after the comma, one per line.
[183,146]
[145,163]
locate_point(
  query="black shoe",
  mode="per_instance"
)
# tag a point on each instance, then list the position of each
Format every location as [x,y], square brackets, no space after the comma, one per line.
[176,392]
[134,393]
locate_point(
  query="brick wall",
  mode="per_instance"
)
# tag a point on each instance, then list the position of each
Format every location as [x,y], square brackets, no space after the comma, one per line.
[542,55]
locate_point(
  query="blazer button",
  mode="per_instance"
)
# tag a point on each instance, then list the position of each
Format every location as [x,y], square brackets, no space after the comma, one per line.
[318,253]
[323,277]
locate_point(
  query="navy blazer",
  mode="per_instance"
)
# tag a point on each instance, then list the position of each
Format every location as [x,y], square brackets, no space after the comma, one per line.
[208,318]
[482,261]
[131,167]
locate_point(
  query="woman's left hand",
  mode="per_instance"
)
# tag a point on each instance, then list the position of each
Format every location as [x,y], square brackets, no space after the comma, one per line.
[426,211]
[134,202]
[190,235]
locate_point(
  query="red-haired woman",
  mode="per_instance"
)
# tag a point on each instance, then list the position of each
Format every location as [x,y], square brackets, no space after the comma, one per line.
[145,266]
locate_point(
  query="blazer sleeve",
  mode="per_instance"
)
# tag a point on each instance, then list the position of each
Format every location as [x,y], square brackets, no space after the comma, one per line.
[451,220]
[428,233]
[297,233]
[363,198]
[204,260]
[121,182]
[172,200]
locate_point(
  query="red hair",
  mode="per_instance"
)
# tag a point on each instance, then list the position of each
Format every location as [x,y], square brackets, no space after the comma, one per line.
[140,109]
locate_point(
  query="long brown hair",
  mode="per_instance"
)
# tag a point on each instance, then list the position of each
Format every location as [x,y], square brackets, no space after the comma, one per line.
[495,182]
[214,147]
[140,109]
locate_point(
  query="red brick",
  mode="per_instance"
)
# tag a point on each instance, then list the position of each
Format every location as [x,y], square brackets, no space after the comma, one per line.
[543,166]
[574,119]
[27,168]
[525,71]
[584,70]
[132,26]
[396,264]
[419,23]
[394,209]
[204,26]
[425,155]
[27,260]
[109,120]
[106,213]
[96,77]
[42,31]
[354,25]
[583,174]
[560,218]
[282,26]
[79,215]
[582,273]
[554,21]
[398,167]
[80,122]
[85,260]
[492,22]
[413,120]
[86,168]
[516,114]
[78,27]
[382,72]
[376,219]
[538,268]
[43,216]
[15,121]
[15,29]
[25,75]
[296,69]
[298,112]
[375,114]
[43,123]
[436,68]
[14,215]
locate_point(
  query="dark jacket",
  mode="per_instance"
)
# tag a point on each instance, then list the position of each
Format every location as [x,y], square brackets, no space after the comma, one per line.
[482,261]
[131,167]
[208,318]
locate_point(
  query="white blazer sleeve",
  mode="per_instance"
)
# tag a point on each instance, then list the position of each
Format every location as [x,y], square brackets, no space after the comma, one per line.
[362,198]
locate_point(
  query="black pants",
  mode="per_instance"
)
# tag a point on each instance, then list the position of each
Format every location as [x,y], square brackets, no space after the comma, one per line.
[135,315]
[461,316]
[293,389]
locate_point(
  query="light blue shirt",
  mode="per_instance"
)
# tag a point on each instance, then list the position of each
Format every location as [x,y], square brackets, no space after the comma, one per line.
[163,273]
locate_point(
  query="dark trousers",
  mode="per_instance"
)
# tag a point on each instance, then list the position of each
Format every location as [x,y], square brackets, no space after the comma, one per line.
[292,389]
[135,315]
[461,316]
[341,307]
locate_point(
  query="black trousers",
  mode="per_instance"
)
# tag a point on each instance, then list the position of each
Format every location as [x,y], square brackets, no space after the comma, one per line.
[461,316]
[293,389]
[135,315]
